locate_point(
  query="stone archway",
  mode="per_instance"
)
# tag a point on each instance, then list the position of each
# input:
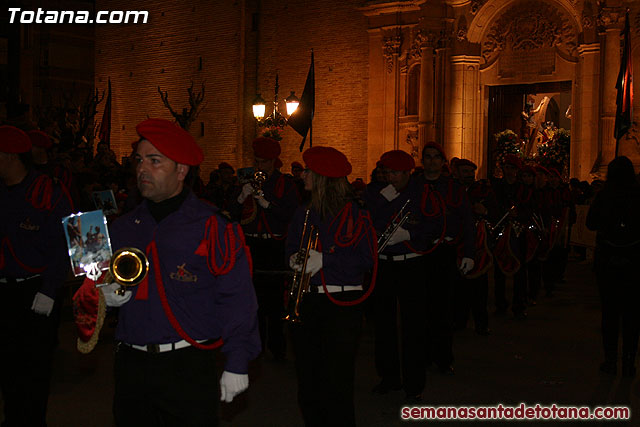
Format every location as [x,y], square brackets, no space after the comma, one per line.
[524,42]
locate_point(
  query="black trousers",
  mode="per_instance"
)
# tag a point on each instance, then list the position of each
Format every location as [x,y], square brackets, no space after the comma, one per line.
[619,296]
[325,346]
[401,282]
[472,296]
[519,301]
[441,274]
[28,343]
[174,388]
[269,284]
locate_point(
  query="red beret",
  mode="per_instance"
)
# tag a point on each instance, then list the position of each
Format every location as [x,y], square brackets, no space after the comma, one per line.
[541,169]
[465,162]
[266,148]
[327,161]
[397,160]
[13,140]
[436,146]
[528,169]
[39,139]
[225,165]
[297,165]
[512,159]
[278,163]
[171,140]
[358,184]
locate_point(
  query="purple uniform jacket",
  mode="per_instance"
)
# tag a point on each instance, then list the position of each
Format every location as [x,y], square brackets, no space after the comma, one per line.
[205,306]
[459,216]
[281,192]
[31,234]
[340,265]
[422,229]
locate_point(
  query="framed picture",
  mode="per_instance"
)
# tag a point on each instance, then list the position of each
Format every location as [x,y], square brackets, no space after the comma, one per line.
[105,201]
[88,242]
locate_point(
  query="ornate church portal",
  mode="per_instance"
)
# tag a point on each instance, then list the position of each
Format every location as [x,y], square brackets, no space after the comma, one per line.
[462,71]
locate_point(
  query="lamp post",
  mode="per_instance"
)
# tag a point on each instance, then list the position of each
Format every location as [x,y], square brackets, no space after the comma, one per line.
[276,119]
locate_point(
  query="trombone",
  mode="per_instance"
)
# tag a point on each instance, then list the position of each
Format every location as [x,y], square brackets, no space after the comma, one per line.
[397,222]
[300,281]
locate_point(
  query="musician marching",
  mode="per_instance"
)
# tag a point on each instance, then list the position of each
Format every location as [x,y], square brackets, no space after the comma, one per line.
[398,211]
[473,288]
[442,263]
[326,337]
[265,213]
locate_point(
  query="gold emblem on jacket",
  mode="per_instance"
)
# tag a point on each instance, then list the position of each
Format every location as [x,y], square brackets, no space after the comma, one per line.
[183,275]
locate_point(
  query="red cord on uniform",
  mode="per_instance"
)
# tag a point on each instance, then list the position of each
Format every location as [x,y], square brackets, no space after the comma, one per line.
[167,309]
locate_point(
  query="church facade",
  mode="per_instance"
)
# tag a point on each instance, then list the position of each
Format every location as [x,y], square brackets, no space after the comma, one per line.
[388,74]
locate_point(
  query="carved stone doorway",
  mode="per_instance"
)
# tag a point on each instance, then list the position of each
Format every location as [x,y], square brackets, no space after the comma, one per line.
[506,103]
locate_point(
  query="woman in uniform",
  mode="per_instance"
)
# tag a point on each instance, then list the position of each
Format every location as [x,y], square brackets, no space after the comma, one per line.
[326,338]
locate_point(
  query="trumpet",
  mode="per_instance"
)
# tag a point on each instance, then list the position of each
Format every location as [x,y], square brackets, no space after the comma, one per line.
[128,267]
[258,179]
[300,281]
[397,222]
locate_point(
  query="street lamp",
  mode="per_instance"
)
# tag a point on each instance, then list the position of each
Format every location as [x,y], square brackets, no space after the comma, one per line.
[276,118]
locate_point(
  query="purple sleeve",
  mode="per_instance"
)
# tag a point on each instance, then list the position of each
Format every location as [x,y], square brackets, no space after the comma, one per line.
[57,260]
[236,310]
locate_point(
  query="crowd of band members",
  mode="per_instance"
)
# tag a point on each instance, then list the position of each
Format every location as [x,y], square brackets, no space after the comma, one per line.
[434,270]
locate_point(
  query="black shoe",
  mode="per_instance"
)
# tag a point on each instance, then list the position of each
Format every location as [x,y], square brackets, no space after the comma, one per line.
[483,331]
[385,387]
[446,370]
[609,368]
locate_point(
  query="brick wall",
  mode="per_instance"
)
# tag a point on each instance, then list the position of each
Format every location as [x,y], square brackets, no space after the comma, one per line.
[238,59]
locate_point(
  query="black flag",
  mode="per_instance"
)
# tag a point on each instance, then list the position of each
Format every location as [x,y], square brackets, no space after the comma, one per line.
[302,118]
[624,85]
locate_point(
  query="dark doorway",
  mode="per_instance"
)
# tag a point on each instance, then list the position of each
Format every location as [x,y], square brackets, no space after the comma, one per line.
[506,104]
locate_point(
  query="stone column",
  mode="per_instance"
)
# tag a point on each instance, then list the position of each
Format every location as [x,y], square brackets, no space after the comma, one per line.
[463,113]
[392,43]
[426,131]
[584,145]
[613,18]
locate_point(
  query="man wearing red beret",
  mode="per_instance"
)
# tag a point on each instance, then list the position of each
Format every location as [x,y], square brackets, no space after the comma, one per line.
[443,262]
[505,189]
[264,216]
[198,291]
[33,268]
[401,265]
[473,288]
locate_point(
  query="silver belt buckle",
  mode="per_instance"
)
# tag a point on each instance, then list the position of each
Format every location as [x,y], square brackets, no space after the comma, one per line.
[153,348]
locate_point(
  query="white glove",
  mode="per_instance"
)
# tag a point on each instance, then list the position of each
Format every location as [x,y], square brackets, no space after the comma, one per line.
[466,265]
[42,304]
[293,264]
[314,263]
[111,298]
[232,384]
[247,190]
[400,235]
[389,192]
[262,201]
